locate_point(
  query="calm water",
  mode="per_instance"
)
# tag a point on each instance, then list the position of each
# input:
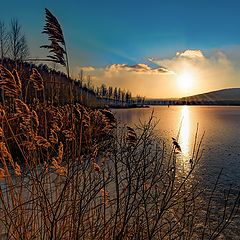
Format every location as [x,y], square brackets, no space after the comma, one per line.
[221,144]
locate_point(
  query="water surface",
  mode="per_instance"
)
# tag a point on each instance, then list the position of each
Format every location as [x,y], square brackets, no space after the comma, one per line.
[221,143]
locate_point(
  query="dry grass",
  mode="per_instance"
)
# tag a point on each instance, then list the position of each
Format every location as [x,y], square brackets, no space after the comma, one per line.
[71,173]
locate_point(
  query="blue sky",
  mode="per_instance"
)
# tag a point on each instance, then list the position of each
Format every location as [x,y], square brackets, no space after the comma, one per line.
[105,32]
[128,31]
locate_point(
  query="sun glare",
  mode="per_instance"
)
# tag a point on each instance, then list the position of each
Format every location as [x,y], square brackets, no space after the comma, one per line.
[185,81]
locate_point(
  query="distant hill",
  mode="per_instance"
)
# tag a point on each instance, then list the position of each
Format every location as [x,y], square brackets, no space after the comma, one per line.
[225,96]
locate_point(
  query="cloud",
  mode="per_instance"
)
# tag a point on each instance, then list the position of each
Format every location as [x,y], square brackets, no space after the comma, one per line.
[137,68]
[194,59]
[140,78]
[181,60]
[190,54]
[209,71]
[86,68]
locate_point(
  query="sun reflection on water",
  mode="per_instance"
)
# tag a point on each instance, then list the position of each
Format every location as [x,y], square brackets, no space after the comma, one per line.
[184,131]
[184,137]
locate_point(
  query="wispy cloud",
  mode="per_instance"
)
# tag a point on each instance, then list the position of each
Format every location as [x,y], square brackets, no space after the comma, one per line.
[84,68]
[139,78]
[137,68]
[209,72]
[192,54]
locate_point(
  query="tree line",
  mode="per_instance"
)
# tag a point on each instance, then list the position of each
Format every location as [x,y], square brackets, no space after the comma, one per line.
[59,87]
[118,96]
[112,96]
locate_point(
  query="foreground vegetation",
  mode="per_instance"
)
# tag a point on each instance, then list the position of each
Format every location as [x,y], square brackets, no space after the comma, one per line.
[92,179]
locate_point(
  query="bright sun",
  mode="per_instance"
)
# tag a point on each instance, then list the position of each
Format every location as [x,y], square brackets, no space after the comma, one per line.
[185,81]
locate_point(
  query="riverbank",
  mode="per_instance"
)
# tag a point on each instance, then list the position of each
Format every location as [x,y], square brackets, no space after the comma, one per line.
[127,106]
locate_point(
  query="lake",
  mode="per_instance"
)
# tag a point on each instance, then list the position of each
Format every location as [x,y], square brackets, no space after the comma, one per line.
[221,145]
[221,142]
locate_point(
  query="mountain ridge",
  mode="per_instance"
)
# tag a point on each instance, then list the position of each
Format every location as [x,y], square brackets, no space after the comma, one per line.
[227,94]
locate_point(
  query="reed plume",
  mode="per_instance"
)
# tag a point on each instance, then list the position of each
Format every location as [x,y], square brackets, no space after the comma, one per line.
[10,83]
[42,142]
[53,138]
[25,115]
[96,167]
[5,153]
[29,146]
[58,46]
[131,136]
[53,28]
[1,132]
[176,145]
[21,107]
[35,121]
[2,173]
[17,80]
[55,118]
[60,170]
[17,169]
[37,80]
[109,119]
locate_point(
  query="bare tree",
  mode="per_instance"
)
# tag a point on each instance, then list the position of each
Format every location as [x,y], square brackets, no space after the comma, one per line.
[18,49]
[4,37]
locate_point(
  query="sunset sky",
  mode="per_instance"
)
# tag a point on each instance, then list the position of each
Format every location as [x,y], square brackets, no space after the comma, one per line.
[154,48]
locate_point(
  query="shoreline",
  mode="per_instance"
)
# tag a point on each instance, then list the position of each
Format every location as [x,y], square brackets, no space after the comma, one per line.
[128,107]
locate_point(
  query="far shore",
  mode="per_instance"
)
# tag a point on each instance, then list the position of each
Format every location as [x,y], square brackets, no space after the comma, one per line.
[169,105]
[128,106]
